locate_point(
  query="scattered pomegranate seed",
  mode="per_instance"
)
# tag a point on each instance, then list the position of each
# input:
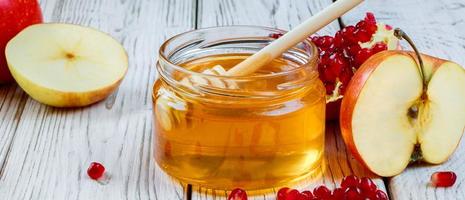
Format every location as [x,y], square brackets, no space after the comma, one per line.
[388,27]
[237,194]
[322,192]
[282,193]
[443,179]
[380,195]
[306,195]
[338,194]
[367,185]
[275,35]
[95,170]
[353,193]
[350,181]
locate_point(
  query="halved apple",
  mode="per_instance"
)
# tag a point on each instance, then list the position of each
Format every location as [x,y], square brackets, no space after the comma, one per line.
[66,65]
[388,114]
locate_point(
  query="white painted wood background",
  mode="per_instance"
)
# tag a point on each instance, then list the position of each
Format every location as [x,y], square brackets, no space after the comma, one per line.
[44,151]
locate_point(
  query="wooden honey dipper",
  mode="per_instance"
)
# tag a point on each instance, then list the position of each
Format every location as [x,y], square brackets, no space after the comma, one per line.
[276,48]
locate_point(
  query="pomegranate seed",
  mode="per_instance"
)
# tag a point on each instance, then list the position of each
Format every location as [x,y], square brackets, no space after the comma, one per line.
[388,27]
[443,179]
[371,29]
[282,193]
[350,181]
[322,192]
[275,35]
[292,195]
[367,185]
[361,25]
[378,47]
[324,57]
[348,35]
[95,170]
[324,42]
[353,49]
[380,195]
[337,63]
[345,76]
[338,194]
[306,195]
[237,194]
[370,18]
[329,75]
[363,35]
[338,39]
[353,193]
[362,56]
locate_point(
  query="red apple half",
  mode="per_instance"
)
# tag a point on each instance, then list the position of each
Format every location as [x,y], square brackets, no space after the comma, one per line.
[388,114]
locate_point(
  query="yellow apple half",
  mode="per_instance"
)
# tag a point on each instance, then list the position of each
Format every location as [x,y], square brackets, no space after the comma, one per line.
[65,65]
[387,114]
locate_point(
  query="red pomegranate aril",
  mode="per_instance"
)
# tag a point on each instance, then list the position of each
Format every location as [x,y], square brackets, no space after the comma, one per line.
[306,195]
[337,63]
[345,76]
[443,179]
[339,40]
[322,192]
[380,195]
[367,185]
[363,35]
[282,193]
[95,170]
[362,56]
[329,75]
[237,194]
[324,42]
[370,18]
[292,194]
[378,47]
[338,194]
[371,28]
[350,181]
[353,193]
[275,35]
[388,27]
[353,49]
[348,35]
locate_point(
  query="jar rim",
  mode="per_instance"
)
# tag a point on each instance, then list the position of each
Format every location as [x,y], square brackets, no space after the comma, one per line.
[164,58]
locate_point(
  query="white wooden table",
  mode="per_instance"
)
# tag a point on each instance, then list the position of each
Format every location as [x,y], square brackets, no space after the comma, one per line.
[44,151]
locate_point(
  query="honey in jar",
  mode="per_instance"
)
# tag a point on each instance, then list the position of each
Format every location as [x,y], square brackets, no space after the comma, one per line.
[257,131]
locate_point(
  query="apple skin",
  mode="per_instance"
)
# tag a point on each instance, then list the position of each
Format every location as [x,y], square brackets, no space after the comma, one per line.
[15,15]
[356,84]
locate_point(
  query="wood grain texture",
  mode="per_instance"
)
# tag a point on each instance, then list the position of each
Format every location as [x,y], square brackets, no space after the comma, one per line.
[437,29]
[284,15]
[52,148]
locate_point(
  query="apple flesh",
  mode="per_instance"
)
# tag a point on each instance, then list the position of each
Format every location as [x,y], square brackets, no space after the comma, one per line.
[66,65]
[388,114]
[15,15]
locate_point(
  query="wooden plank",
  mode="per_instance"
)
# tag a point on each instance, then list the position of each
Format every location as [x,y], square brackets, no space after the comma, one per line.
[284,15]
[437,29]
[52,147]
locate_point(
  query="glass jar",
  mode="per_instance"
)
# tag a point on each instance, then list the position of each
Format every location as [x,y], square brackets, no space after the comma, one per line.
[257,131]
